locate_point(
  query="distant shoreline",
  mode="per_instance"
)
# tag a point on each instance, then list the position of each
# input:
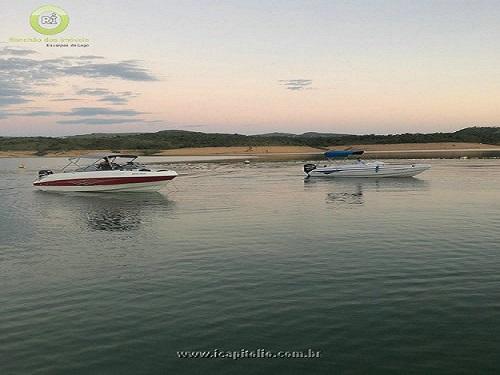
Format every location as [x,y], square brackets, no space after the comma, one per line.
[449,150]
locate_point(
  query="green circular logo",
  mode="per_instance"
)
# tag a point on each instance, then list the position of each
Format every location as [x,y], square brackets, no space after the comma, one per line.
[49,20]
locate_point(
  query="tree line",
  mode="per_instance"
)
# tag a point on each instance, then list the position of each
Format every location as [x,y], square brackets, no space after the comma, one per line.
[171,139]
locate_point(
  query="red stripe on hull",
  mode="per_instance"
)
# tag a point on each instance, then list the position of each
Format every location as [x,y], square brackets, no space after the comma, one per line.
[103,181]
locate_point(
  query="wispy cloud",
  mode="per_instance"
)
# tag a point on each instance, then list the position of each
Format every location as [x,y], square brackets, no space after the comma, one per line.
[100,111]
[114,99]
[127,70]
[296,84]
[6,101]
[12,91]
[100,121]
[78,112]
[40,113]
[93,92]
[16,51]
[107,96]
[20,74]
[85,57]
[24,79]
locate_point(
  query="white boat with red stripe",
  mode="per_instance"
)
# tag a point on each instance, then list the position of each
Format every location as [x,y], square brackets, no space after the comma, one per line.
[107,173]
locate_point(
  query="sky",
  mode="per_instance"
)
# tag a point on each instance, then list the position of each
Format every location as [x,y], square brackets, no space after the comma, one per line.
[253,67]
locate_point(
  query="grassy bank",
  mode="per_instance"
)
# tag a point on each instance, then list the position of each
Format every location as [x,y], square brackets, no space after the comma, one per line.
[379,151]
[174,140]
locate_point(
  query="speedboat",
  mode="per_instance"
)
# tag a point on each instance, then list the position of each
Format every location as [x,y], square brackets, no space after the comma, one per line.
[106,173]
[362,168]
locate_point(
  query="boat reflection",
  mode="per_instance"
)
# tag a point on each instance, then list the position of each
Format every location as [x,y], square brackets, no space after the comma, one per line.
[124,212]
[352,191]
[112,212]
[346,197]
[114,219]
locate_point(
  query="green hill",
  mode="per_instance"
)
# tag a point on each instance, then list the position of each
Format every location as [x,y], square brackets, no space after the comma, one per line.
[304,135]
[170,139]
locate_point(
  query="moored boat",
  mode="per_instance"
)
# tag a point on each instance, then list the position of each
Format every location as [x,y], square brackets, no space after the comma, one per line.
[106,173]
[360,168]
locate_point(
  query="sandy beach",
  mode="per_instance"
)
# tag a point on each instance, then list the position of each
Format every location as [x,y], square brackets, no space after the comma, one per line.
[402,150]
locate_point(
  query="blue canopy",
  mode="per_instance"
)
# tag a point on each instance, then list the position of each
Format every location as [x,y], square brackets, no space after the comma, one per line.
[342,153]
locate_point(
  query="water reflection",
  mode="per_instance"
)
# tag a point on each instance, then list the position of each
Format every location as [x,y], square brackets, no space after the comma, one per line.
[117,212]
[114,219]
[347,192]
[347,197]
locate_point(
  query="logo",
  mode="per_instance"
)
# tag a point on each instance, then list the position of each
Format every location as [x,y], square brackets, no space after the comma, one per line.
[49,20]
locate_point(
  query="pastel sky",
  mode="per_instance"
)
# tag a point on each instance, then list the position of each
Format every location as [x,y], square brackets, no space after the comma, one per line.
[254,67]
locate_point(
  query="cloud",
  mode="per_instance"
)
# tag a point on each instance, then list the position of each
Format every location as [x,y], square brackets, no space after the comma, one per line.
[99,121]
[20,76]
[128,70]
[79,112]
[93,92]
[296,84]
[12,92]
[86,57]
[16,51]
[30,72]
[34,113]
[5,101]
[100,111]
[24,78]
[114,99]
[23,112]
[40,113]
[107,96]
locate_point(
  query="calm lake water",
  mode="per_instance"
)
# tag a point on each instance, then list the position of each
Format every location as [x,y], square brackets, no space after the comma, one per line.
[388,276]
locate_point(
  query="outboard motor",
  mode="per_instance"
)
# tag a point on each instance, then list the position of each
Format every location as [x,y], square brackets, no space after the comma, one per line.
[308,168]
[44,173]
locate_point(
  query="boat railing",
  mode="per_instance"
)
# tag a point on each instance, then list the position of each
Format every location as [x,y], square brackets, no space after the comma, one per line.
[105,164]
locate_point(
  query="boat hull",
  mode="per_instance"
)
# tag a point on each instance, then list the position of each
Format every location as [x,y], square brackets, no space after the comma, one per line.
[108,181]
[374,170]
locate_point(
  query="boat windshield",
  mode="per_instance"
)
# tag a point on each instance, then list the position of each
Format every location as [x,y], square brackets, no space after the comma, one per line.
[108,163]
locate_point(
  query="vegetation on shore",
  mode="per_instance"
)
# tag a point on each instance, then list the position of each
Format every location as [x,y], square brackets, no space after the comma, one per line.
[151,143]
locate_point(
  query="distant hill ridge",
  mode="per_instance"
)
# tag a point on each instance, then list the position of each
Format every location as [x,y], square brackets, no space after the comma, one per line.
[307,135]
[171,139]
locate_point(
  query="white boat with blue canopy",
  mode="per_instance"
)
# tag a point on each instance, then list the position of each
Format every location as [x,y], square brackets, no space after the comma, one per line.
[361,168]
